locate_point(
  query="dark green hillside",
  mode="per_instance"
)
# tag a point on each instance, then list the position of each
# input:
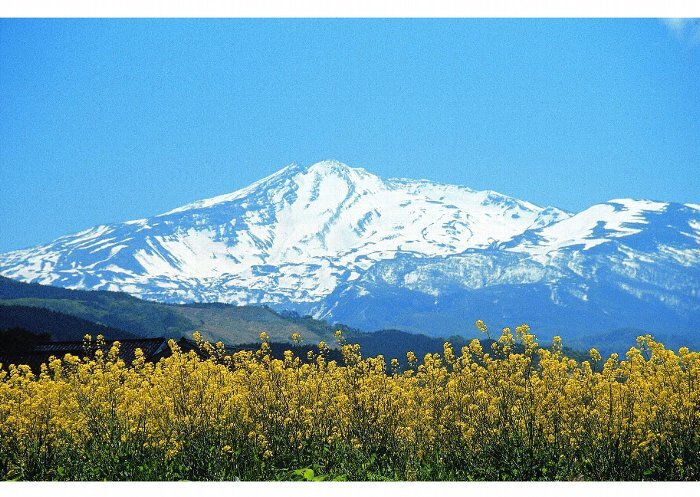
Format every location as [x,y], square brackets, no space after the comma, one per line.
[113,309]
[395,343]
[228,323]
[59,326]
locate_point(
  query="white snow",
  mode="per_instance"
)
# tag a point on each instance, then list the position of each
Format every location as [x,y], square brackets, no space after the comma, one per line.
[617,218]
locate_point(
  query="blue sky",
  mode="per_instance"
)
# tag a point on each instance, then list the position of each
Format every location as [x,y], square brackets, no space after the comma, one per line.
[109,120]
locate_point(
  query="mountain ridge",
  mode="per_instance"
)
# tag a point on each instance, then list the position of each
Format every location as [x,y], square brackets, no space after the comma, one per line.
[356,240]
[323,238]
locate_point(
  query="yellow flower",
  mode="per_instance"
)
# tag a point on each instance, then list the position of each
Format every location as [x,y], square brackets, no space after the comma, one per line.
[411,358]
[445,410]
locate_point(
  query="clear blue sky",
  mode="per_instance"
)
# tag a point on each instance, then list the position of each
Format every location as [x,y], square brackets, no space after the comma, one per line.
[104,121]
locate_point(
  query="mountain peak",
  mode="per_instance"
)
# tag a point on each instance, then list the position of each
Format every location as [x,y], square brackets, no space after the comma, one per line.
[326,215]
[293,171]
[328,165]
[331,167]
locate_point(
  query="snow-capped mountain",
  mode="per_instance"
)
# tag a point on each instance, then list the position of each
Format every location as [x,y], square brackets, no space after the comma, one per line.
[346,245]
[292,236]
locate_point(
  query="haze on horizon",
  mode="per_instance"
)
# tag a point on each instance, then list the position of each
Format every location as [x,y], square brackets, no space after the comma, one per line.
[110,120]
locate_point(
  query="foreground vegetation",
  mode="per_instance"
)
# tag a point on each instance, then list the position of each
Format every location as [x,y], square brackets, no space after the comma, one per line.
[515,412]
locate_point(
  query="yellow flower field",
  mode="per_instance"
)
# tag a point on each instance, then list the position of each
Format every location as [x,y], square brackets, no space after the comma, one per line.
[517,411]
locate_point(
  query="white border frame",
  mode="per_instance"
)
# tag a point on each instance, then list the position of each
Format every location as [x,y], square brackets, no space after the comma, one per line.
[349,8]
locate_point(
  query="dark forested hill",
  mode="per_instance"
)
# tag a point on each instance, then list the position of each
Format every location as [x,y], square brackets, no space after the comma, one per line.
[57,325]
[118,311]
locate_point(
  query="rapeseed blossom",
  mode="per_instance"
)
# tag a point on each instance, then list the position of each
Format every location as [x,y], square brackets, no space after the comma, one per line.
[513,410]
